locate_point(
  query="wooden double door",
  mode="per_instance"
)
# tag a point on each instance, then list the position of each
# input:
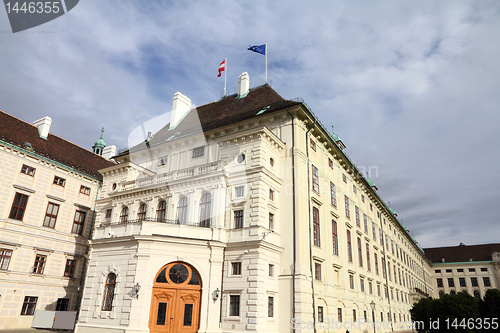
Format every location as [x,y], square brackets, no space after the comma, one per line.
[175,302]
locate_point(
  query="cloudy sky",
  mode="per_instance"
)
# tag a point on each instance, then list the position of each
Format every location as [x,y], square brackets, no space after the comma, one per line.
[412,87]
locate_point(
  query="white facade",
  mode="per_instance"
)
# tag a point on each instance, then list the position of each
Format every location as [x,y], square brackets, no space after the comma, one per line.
[266,268]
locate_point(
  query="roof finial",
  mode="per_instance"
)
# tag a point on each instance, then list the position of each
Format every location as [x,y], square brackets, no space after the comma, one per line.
[102,132]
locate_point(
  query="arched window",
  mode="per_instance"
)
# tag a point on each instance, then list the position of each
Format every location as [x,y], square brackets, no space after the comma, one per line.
[477,294]
[441,293]
[141,213]
[109,292]
[161,211]
[124,215]
[182,208]
[205,210]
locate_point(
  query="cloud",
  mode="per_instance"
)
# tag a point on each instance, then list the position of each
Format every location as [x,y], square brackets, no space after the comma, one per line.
[411,88]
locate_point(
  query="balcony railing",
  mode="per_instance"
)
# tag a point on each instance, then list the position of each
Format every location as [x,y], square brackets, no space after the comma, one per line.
[172,176]
[202,224]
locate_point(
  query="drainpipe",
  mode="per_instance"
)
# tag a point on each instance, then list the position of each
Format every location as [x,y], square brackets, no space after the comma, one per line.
[310,232]
[293,220]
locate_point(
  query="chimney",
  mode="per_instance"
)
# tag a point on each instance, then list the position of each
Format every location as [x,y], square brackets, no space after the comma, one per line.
[180,107]
[108,152]
[43,126]
[243,85]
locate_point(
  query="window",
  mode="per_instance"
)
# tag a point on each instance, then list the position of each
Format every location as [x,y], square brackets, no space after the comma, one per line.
[451,283]
[124,215]
[368,264]
[335,240]
[271,221]
[109,292]
[236,268]
[437,271]
[370,287]
[354,319]
[85,190]
[161,211]
[358,221]
[162,161]
[473,281]
[362,198]
[371,207]
[108,213]
[360,253]
[344,178]
[51,215]
[141,213]
[240,159]
[354,189]
[206,210]
[5,256]
[39,265]
[198,151]
[27,170]
[271,194]
[362,285]
[375,259]
[365,219]
[234,305]
[312,144]
[69,270]
[316,231]
[18,207]
[448,271]
[330,163]
[78,222]
[29,306]
[62,304]
[349,246]
[486,281]
[347,212]
[381,234]
[378,290]
[317,271]
[351,281]
[384,271]
[460,270]
[333,194]
[439,282]
[238,219]
[339,315]
[315,179]
[182,209]
[472,269]
[320,314]
[271,270]
[270,306]
[59,181]
[374,231]
[239,191]
[271,162]
[462,282]
[483,269]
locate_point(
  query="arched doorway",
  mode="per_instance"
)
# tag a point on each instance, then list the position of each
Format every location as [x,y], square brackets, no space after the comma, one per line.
[175,302]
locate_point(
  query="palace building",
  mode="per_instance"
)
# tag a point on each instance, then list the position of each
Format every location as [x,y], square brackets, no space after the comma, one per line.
[465,268]
[48,192]
[244,214]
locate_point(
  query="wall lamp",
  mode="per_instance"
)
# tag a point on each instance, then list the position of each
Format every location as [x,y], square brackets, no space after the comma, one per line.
[137,287]
[216,294]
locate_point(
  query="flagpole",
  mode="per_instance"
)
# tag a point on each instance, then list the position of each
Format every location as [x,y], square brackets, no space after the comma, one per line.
[266,62]
[225,77]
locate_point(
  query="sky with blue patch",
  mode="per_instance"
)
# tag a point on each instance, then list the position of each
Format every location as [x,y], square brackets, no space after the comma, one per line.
[412,87]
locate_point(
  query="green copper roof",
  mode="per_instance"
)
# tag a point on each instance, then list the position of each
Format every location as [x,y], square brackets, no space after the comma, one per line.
[100,142]
[393,212]
[369,181]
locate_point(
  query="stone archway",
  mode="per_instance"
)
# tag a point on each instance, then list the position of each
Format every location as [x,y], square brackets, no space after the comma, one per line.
[175,301]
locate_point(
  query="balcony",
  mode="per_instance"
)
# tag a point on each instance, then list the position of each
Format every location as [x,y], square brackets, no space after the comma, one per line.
[161,179]
[202,224]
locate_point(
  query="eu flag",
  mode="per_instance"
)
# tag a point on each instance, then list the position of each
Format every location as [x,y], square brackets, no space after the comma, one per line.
[258,48]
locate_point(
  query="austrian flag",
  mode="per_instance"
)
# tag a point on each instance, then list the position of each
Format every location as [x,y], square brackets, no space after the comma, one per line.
[222,67]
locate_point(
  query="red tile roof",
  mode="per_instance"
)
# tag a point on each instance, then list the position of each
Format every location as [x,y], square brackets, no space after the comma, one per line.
[462,253]
[18,132]
[228,110]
